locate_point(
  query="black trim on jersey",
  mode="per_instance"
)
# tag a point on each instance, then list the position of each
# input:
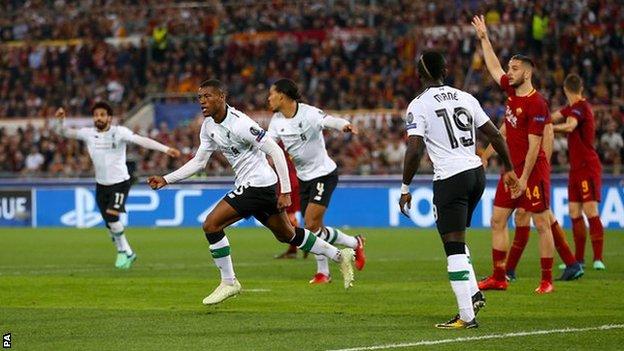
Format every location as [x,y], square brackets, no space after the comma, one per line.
[296,111]
[232,112]
[424,91]
[427,88]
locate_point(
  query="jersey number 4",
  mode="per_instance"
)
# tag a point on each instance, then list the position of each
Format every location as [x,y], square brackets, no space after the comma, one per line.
[465,126]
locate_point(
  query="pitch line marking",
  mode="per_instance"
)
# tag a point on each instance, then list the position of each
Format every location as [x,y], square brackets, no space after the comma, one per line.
[483,337]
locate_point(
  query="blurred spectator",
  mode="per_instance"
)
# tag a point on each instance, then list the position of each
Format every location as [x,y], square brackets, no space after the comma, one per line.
[344,54]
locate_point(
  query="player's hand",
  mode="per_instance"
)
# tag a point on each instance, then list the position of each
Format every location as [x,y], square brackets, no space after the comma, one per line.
[522,186]
[60,113]
[511,182]
[406,199]
[283,201]
[478,22]
[350,128]
[485,161]
[173,152]
[156,182]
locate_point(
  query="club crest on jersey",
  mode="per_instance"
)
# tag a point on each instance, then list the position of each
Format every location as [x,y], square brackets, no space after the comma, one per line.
[511,118]
[518,111]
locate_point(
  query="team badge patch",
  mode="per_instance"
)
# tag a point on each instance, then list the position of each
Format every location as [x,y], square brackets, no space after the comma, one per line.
[258,133]
[518,111]
[410,118]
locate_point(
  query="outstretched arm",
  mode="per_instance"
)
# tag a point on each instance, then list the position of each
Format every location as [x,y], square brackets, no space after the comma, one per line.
[153,145]
[566,127]
[60,126]
[339,124]
[491,61]
[188,169]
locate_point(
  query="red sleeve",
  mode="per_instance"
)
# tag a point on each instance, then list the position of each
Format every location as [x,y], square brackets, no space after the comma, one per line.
[537,116]
[572,111]
[504,83]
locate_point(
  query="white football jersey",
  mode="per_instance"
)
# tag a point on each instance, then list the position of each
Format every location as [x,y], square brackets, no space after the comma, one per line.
[447,119]
[302,136]
[239,138]
[108,152]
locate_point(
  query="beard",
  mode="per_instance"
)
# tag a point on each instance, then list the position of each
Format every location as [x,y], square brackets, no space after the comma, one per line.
[101,125]
[517,83]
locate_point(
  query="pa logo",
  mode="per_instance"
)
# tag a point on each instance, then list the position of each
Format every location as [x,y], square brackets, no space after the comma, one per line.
[6,341]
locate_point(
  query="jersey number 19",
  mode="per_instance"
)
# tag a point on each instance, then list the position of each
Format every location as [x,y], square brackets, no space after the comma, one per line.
[465,126]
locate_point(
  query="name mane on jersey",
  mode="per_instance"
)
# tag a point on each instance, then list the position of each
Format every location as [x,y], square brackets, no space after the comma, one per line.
[445,96]
[511,117]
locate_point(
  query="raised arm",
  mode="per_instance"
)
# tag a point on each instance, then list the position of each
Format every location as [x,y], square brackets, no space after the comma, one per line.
[60,128]
[491,61]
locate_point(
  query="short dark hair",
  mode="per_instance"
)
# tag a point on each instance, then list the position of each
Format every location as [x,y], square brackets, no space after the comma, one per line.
[288,88]
[214,83]
[103,105]
[524,59]
[573,83]
[432,65]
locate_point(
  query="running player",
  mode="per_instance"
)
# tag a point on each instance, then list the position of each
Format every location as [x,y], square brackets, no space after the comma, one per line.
[245,145]
[525,117]
[445,119]
[584,182]
[107,147]
[300,127]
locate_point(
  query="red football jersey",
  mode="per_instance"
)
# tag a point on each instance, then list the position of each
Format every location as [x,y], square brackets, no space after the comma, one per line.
[524,115]
[581,150]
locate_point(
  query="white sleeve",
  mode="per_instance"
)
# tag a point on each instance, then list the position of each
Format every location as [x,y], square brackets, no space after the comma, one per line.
[147,143]
[271,148]
[250,131]
[198,162]
[67,132]
[334,122]
[480,117]
[272,131]
[415,122]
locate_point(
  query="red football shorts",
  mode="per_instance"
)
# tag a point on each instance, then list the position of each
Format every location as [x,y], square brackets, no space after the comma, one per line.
[536,198]
[584,186]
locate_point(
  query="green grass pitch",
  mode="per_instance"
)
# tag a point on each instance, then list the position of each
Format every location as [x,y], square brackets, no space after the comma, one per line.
[59,290]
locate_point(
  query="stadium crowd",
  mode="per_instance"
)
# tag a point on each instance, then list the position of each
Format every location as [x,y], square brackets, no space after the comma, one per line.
[344,57]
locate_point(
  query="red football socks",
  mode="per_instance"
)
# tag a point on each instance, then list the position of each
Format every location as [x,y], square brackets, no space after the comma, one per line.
[546,263]
[596,233]
[521,238]
[563,249]
[498,258]
[580,236]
